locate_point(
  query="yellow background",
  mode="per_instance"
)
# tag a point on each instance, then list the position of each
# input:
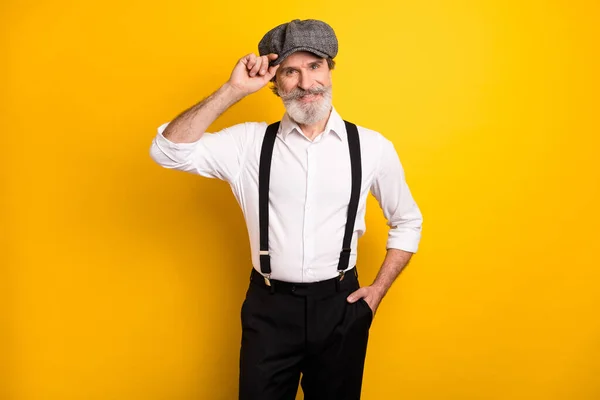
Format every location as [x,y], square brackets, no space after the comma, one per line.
[123,280]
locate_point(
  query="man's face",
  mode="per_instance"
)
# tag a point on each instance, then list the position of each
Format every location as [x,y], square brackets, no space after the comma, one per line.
[303,82]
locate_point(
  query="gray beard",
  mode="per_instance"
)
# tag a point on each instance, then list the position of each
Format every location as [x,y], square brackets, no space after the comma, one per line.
[308,113]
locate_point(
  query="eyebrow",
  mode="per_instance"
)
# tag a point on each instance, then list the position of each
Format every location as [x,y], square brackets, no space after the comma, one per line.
[286,69]
[317,62]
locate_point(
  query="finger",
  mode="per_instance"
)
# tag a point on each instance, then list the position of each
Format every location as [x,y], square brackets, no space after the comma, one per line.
[272,71]
[244,60]
[354,296]
[256,67]
[272,56]
[251,61]
[264,65]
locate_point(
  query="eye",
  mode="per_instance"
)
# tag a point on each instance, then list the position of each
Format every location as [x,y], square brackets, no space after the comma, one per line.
[315,66]
[290,72]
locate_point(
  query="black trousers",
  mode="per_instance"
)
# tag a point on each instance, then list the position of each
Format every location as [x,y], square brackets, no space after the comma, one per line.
[307,329]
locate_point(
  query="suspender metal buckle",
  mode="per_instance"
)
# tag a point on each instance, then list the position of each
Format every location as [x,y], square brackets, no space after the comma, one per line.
[269,283]
[339,279]
[266,266]
[267,279]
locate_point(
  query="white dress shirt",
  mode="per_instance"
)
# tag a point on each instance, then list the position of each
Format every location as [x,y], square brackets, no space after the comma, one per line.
[309,190]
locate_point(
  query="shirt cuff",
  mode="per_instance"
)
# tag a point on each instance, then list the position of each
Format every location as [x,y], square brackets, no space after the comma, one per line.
[404,238]
[176,152]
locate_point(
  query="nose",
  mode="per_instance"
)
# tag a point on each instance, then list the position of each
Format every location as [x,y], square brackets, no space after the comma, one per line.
[305,82]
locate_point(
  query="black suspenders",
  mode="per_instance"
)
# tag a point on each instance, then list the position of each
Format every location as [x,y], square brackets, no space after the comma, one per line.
[264,176]
[355,162]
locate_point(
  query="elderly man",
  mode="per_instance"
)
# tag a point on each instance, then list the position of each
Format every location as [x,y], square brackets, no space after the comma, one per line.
[302,184]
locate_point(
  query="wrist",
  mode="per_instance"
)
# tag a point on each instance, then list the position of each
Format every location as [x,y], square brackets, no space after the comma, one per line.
[234,92]
[380,288]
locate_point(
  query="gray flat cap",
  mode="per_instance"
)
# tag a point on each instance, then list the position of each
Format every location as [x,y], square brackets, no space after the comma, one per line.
[308,35]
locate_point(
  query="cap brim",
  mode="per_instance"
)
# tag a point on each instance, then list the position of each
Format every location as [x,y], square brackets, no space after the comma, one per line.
[282,57]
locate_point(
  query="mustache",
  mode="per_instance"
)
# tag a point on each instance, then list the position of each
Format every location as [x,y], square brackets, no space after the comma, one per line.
[297,93]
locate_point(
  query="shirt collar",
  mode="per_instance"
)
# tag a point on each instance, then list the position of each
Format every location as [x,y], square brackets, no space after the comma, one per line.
[335,124]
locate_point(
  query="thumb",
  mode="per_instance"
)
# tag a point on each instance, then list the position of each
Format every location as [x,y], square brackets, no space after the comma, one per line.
[354,296]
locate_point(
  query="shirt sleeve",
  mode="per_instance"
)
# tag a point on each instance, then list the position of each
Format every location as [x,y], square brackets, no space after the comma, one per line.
[395,199]
[219,155]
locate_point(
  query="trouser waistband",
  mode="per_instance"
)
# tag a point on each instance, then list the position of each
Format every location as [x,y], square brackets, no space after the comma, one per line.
[348,281]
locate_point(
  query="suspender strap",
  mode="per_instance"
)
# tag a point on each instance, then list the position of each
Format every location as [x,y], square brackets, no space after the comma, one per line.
[264,177]
[356,165]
